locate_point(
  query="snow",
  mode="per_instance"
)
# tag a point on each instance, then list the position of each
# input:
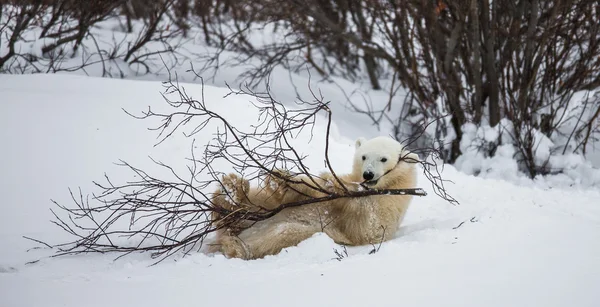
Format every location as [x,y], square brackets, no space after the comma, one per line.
[474,160]
[508,243]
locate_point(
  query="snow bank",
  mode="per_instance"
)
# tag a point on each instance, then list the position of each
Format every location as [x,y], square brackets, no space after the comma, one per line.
[567,170]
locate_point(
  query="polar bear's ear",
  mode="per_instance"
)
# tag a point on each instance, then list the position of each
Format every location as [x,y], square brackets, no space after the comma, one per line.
[359,142]
[411,157]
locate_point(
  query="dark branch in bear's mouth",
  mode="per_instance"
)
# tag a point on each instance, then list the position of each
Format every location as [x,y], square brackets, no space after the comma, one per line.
[371,182]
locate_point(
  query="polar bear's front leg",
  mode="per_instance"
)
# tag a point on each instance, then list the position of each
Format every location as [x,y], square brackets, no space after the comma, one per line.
[288,188]
[340,184]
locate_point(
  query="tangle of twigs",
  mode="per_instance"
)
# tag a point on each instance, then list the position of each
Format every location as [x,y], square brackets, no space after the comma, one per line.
[166,217]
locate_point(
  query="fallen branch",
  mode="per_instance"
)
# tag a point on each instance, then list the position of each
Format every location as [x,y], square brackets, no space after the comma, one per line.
[166,217]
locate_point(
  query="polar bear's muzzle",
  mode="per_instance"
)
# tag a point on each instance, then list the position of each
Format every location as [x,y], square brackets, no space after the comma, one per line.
[368,177]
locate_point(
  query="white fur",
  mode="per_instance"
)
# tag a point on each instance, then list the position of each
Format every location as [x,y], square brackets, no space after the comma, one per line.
[350,221]
[369,155]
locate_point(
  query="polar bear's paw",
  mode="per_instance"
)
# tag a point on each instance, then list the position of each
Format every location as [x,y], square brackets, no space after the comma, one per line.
[235,189]
[329,184]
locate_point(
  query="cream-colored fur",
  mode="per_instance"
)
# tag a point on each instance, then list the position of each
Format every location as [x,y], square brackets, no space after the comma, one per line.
[350,221]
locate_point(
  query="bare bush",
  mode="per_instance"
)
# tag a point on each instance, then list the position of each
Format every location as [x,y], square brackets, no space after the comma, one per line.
[62,26]
[476,61]
[479,61]
[14,21]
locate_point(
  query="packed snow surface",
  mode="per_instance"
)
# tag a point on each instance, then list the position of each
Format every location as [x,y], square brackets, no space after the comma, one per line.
[504,245]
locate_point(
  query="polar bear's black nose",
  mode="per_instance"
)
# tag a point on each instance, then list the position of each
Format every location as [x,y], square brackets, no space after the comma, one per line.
[368,175]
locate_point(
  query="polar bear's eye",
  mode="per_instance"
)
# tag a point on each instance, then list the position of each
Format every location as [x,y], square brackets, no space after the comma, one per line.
[383,160]
[364,158]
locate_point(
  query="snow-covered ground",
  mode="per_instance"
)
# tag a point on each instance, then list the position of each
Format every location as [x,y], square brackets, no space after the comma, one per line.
[506,244]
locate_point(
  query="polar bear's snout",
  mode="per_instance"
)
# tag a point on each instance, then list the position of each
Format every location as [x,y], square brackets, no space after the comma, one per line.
[368,175]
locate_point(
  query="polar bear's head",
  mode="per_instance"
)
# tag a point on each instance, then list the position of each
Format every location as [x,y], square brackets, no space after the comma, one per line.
[376,158]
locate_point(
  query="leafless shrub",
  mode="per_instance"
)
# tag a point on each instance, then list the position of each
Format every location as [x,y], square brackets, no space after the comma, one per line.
[63,25]
[479,61]
[14,21]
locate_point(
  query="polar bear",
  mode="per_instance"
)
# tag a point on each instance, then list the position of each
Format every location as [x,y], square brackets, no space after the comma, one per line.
[379,163]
